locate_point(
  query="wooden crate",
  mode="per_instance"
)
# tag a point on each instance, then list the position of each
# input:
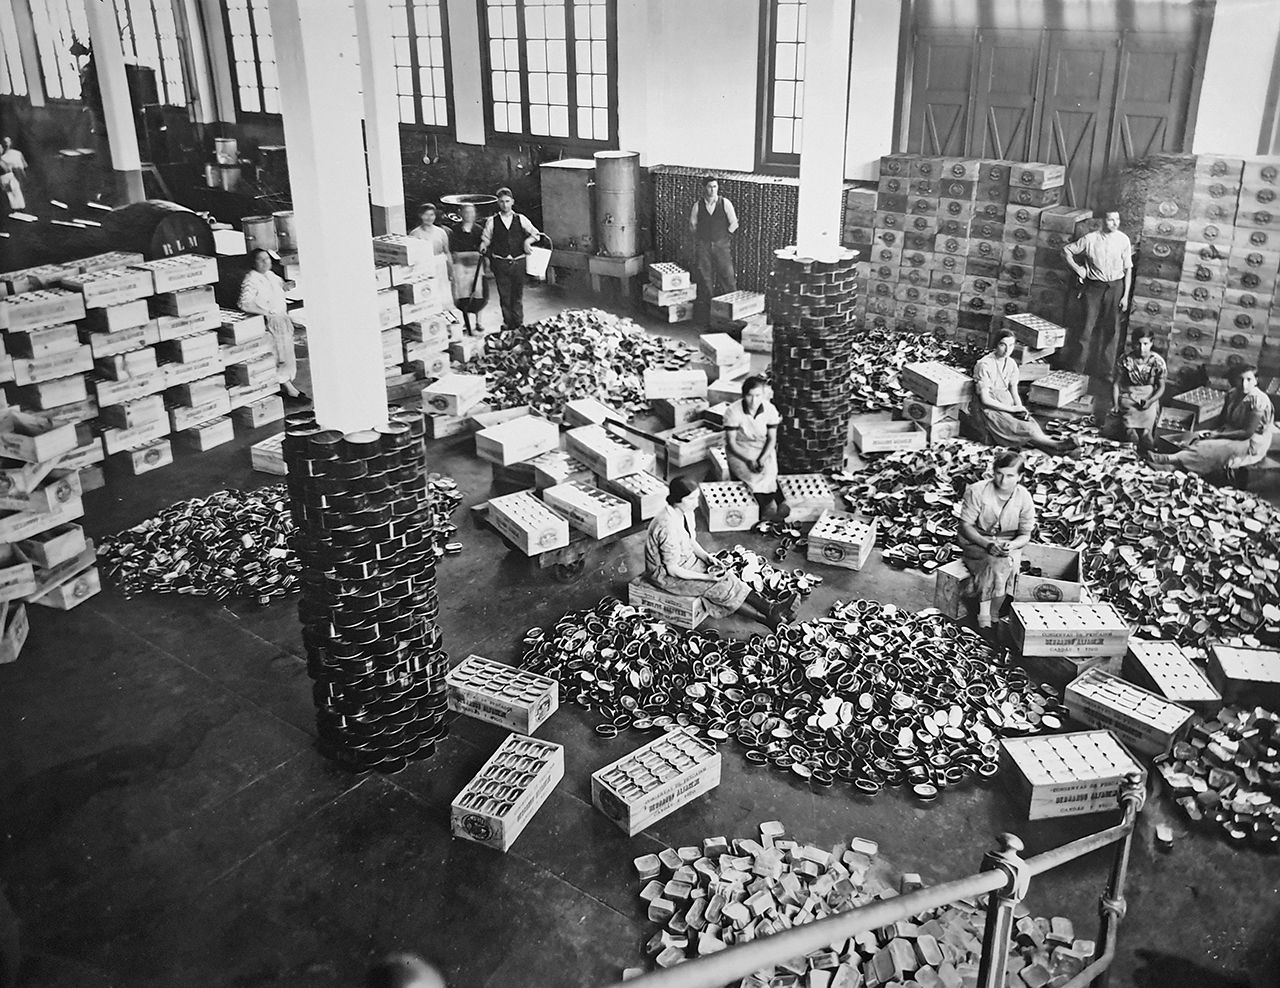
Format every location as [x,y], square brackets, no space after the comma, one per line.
[54,547]
[207,435]
[173,274]
[557,466]
[590,510]
[656,296]
[453,394]
[839,538]
[877,434]
[475,817]
[1034,331]
[645,492]
[1069,629]
[1058,775]
[604,454]
[71,592]
[917,410]
[1206,403]
[518,440]
[737,305]
[674,313]
[1145,721]
[1249,675]
[33,438]
[674,384]
[516,699]
[727,506]
[808,495]
[1062,578]
[1164,668]
[16,628]
[686,447]
[528,523]
[936,383]
[110,286]
[949,583]
[636,805]
[267,456]
[589,411]
[676,412]
[1058,389]
[683,612]
[187,302]
[42,307]
[258,413]
[720,348]
[666,276]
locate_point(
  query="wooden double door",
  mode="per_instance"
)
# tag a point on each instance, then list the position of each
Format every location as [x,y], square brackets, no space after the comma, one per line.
[1090,100]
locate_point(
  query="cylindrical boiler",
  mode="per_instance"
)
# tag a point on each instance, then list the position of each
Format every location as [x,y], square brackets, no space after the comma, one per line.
[617,203]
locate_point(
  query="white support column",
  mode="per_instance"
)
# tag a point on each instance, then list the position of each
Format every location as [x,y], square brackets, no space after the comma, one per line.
[117,110]
[25,31]
[321,112]
[464,47]
[218,49]
[826,110]
[874,70]
[195,66]
[381,114]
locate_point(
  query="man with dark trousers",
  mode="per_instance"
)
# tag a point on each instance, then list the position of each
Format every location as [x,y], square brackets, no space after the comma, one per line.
[506,239]
[713,221]
[1103,261]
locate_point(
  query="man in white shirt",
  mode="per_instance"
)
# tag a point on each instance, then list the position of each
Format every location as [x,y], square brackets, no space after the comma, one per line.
[713,221]
[1103,261]
[506,239]
[13,173]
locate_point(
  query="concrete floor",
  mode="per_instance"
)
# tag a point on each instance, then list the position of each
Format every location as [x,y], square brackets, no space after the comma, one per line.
[166,819]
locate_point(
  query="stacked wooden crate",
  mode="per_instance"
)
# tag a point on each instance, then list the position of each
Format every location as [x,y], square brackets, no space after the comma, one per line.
[670,294]
[415,299]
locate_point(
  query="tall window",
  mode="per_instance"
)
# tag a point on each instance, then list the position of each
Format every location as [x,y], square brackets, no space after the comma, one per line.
[57,23]
[253,56]
[551,68]
[420,33]
[782,98]
[150,37]
[13,77]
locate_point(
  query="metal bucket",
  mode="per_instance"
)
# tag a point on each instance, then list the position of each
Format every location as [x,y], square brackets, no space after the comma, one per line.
[229,176]
[617,195]
[538,259]
[226,151]
[259,231]
[286,232]
[211,176]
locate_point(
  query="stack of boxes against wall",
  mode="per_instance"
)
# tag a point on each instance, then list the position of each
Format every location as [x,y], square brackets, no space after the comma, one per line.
[414,301]
[1207,265]
[957,243]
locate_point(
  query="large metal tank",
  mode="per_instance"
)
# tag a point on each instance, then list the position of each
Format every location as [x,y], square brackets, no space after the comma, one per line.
[156,229]
[568,216]
[617,203]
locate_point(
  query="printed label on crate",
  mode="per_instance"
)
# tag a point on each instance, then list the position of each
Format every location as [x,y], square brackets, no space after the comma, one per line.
[1069,629]
[1067,774]
[496,805]
[1149,722]
[641,788]
[516,699]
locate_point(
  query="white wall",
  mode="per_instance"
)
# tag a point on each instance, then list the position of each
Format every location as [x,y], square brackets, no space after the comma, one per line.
[873,84]
[1242,48]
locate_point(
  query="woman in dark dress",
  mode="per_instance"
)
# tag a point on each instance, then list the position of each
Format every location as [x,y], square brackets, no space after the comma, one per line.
[470,292]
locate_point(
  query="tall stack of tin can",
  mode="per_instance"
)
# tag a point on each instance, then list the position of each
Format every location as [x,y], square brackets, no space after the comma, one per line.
[813,306]
[361,506]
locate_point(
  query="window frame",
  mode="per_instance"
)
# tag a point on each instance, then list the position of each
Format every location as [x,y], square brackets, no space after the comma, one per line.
[60,98]
[241,112]
[525,136]
[450,128]
[162,73]
[768,161]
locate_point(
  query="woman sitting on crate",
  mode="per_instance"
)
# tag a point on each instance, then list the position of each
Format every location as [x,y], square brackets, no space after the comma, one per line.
[1243,440]
[751,442]
[1136,390]
[674,562]
[999,415]
[997,518]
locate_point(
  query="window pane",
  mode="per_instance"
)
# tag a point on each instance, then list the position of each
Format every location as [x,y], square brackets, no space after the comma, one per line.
[788,22]
[558,83]
[784,61]
[556,56]
[496,56]
[782,136]
[583,90]
[600,90]
[271,101]
[249,100]
[559,121]
[598,22]
[584,124]
[537,56]
[784,98]
[538,119]
[537,87]
[602,124]
[555,22]
[582,52]
[406,110]
[442,111]
[534,24]
[499,82]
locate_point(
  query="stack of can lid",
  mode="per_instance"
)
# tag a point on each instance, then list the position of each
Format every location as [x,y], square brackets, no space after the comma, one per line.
[361,506]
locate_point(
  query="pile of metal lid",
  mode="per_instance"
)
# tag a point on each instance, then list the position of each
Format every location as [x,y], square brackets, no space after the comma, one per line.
[879,354]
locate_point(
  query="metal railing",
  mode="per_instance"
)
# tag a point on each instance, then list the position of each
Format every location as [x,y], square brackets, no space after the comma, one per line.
[1005,877]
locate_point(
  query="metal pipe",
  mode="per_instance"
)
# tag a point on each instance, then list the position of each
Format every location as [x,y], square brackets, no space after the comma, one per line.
[1058,856]
[720,969]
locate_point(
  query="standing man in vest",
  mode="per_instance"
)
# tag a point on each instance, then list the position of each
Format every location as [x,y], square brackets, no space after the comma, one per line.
[506,239]
[713,222]
[1103,261]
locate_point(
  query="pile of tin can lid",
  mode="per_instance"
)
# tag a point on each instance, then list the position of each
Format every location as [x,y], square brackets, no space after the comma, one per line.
[360,504]
[229,544]
[1179,557]
[577,353]
[879,354]
[870,696]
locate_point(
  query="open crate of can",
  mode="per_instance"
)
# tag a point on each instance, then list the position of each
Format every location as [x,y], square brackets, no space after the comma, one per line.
[1240,672]
[528,523]
[498,803]
[589,509]
[839,538]
[807,495]
[1035,331]
[1164,668]
[645,492]
[727,506]
[1145,721]
[1058,775]
[1058,389]
[516,699]
[603,453]
[1069,629]
[937,383]
[641,788]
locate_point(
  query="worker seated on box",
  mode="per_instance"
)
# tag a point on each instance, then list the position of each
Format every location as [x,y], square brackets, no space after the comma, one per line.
[1136,389]
[1243,440]
[674,562]
[997,518]
[999,413]
[751,441]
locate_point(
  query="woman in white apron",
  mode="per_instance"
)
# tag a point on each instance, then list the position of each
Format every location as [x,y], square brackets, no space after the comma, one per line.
[262,292]
[751,444]
[470,291]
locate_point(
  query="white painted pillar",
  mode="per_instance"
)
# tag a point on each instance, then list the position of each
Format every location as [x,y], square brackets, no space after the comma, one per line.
[464,51]
[826,110]
[381,114]
[1237,73]
[117,111]
[217,46]
[873,80]
[321,113]
[186,16]
[19,21]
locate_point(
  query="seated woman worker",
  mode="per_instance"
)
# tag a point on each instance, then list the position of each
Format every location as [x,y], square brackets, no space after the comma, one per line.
[674,562]
[1243,439]
[999,409]
[997,518]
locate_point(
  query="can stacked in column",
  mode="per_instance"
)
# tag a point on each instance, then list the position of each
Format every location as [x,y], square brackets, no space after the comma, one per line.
[982,266]
[361,506]
[813,305]
[1252,263]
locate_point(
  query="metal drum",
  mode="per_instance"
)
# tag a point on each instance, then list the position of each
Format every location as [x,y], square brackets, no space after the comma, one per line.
[259,231]
[229,177]
[211,177]
[226,151]
[157,229]
[486,205]
[286,232]
[617,194]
